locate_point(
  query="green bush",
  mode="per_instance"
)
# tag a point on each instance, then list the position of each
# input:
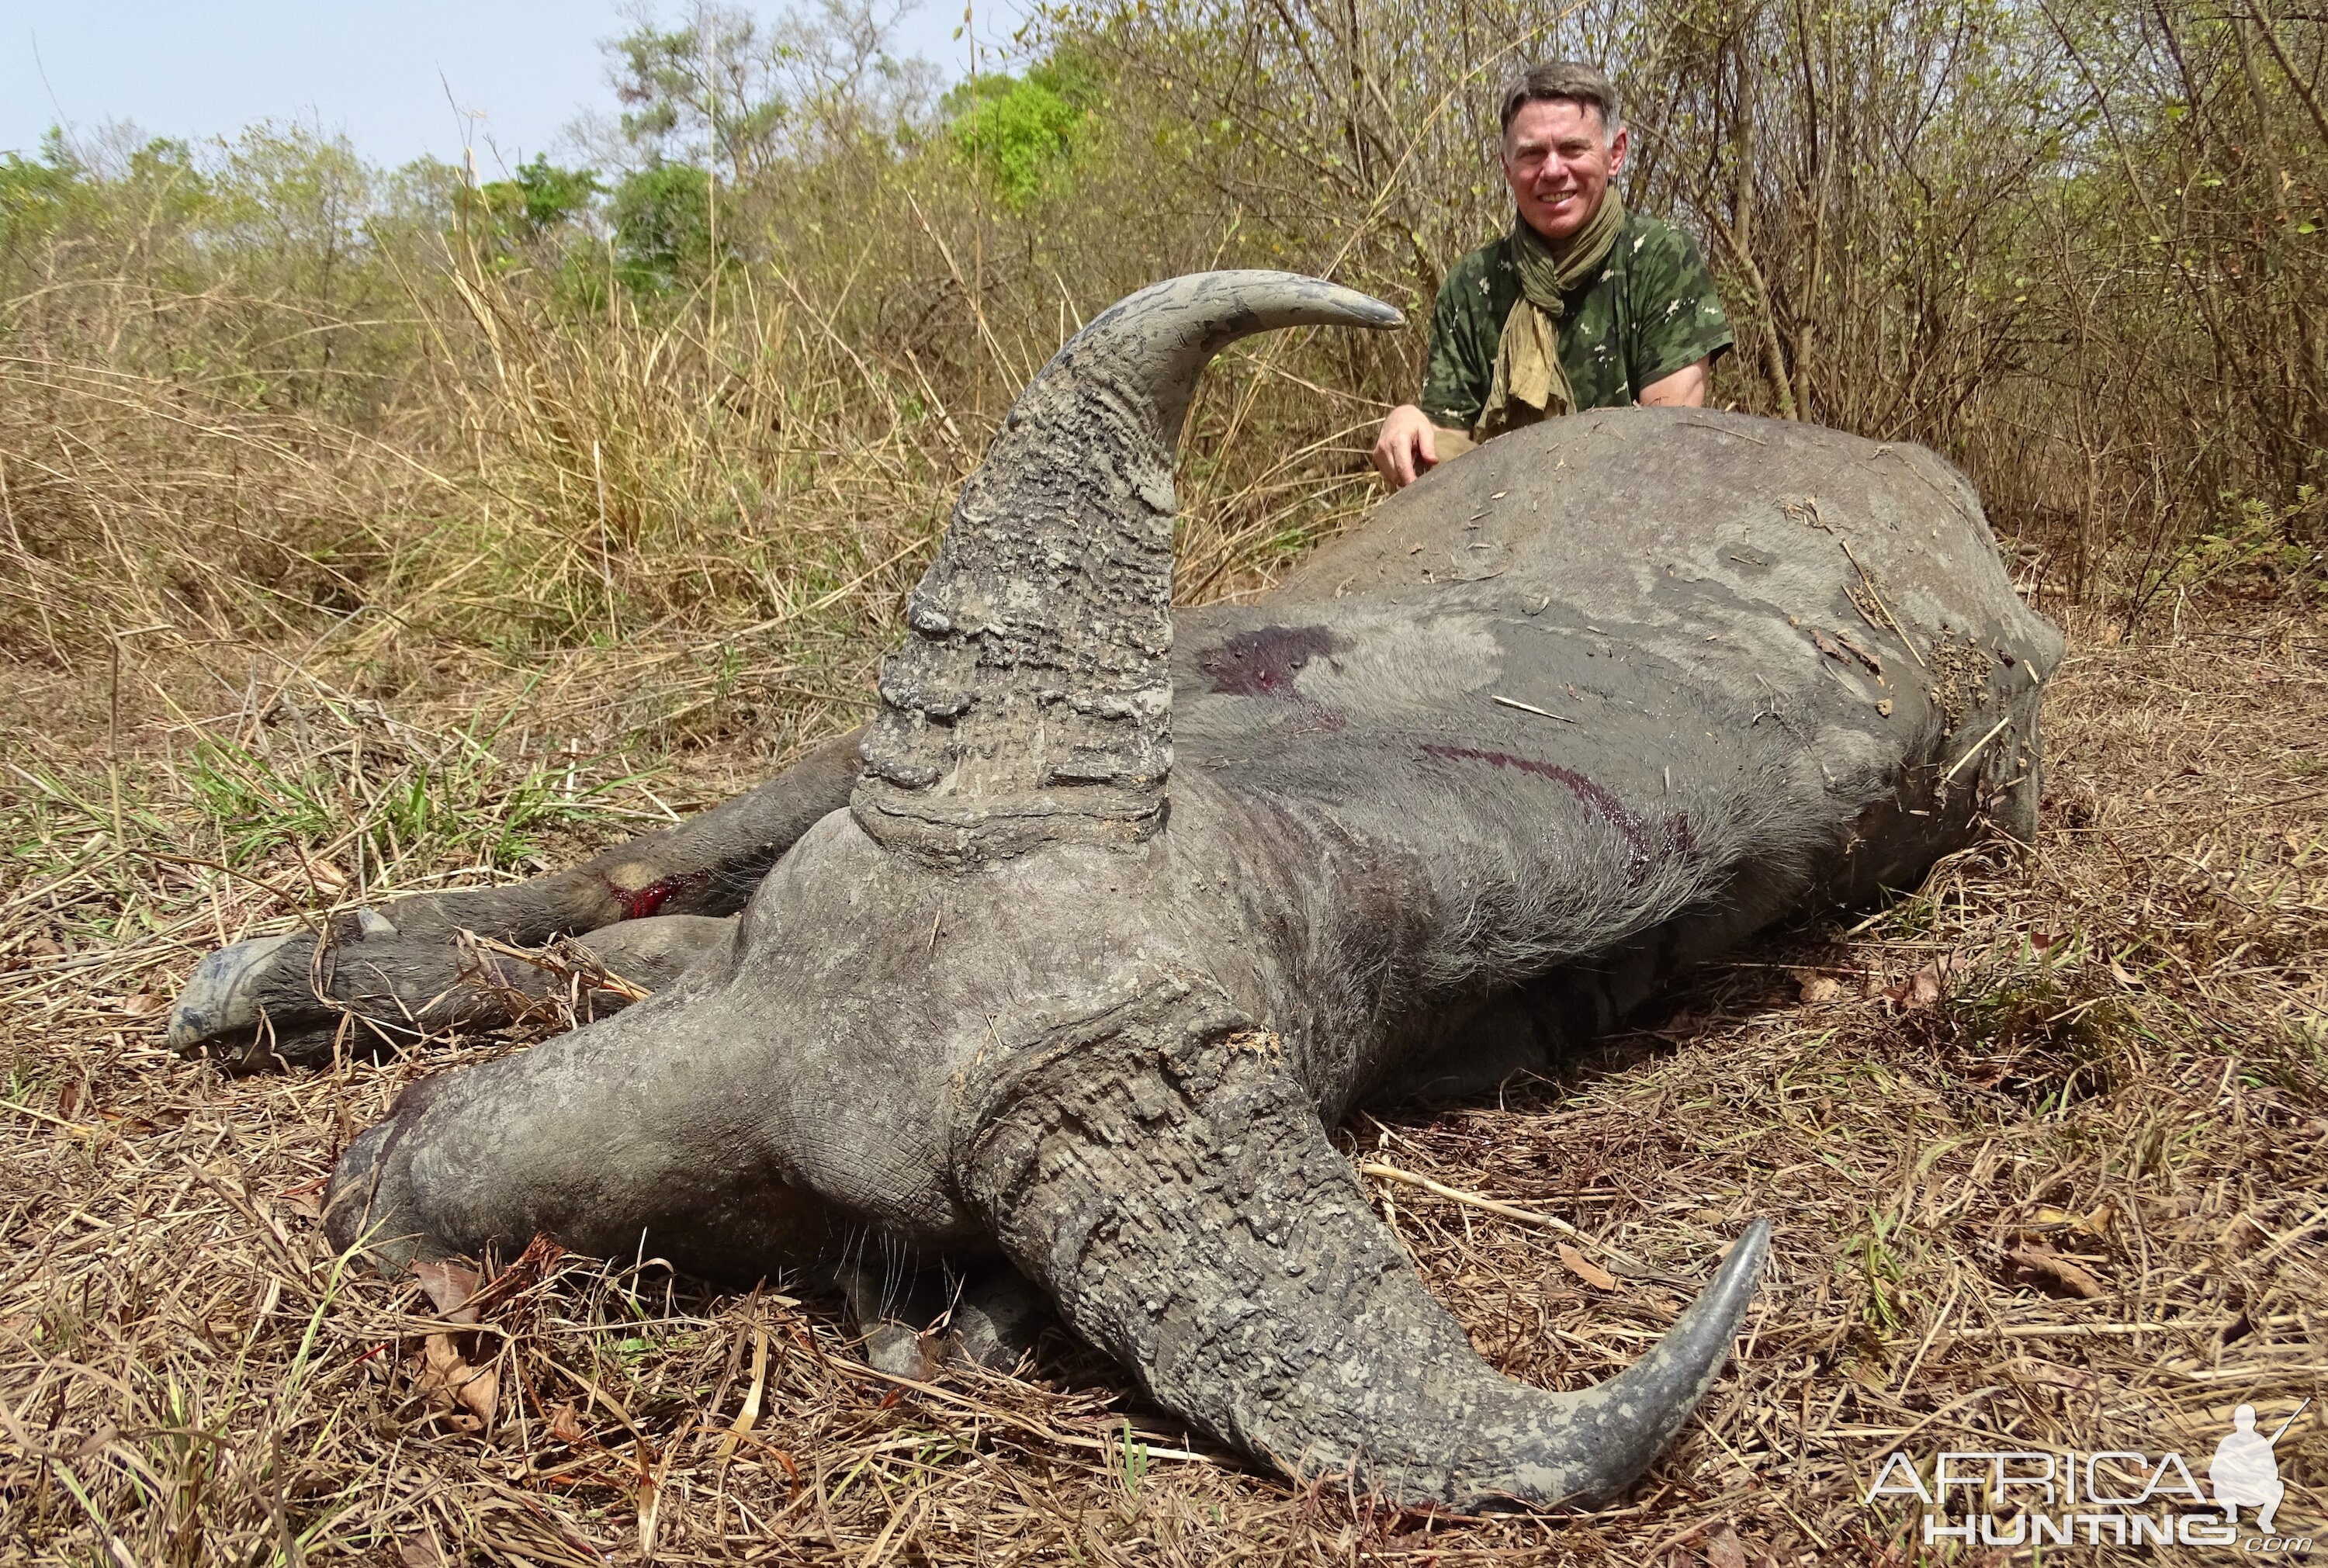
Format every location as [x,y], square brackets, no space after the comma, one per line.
[662,218]
[541,200]
[1021,134]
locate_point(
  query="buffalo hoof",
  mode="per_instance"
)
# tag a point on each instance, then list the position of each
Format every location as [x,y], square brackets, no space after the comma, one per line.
[915,1323]
[268,1003]
[222,1001]
[254,1005]
[998,1317]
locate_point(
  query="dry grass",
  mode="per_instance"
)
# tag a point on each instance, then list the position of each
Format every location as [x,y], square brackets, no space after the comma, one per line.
[2119,1088]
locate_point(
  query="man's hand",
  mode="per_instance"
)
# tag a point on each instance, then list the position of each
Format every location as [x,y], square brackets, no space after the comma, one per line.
[1685,388]
[1407,447]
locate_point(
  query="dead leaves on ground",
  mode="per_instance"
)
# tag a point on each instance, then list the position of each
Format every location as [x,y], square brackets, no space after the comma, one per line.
[1930,983]
[468,1396]
[1924,988]
[1586,1269]
[445,1377]
[2054,1274]
[1723,1550]
[1813,988]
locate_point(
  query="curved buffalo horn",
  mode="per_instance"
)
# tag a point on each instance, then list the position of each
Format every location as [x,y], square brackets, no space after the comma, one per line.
[1175,1191]
[1031,700]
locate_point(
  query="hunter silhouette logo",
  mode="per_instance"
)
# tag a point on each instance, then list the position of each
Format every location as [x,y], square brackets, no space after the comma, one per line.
[2246,1471]
[2113,1496]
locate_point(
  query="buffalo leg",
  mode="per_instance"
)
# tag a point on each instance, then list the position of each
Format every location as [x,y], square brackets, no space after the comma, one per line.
[402,972]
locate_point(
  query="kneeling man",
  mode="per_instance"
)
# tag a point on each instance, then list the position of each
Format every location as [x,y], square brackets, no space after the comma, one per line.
[1583,305]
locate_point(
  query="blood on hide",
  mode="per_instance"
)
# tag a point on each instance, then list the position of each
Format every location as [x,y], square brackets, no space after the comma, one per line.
[1263,661]
[1637,832]
[639,903]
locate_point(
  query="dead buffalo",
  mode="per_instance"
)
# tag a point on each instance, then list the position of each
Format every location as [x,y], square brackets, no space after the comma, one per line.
[1077,952]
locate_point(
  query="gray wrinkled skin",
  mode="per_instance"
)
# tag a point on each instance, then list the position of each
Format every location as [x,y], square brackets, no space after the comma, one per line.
[1353,856]
[1031,702]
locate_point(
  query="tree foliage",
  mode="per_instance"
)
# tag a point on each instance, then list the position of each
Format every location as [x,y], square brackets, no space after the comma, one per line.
[1021,133]
[725,92]
[663,219]
[539,200]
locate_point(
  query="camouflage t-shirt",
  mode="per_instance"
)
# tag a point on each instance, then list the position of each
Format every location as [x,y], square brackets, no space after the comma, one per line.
[1651,312]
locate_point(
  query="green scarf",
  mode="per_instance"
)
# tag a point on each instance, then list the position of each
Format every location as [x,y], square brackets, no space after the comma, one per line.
[1529,384]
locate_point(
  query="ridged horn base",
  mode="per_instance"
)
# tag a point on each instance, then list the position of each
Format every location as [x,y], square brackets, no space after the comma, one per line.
[1156,1168]
[1031,702]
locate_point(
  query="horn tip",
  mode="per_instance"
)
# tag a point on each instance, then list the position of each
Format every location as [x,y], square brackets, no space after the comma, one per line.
[1726,1295]
[1597,1442]
[1673,1377]
[1364,309]
[1291,298]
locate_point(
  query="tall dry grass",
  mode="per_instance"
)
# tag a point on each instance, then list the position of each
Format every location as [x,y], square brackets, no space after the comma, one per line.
[727,487]
[2083,253]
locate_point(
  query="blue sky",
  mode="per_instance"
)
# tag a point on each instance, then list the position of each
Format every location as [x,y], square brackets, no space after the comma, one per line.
[379,72]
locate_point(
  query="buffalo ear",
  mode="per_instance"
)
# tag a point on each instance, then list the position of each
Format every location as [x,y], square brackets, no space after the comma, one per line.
[1032,700]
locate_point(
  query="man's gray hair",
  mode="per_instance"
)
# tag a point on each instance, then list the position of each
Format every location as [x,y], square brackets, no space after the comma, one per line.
[1587,86]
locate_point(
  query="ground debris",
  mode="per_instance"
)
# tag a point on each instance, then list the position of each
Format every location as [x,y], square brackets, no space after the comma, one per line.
[2064,1189]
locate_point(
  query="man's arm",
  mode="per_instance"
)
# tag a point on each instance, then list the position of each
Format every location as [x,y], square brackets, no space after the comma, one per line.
[1678,325]
[1685,388]
[1454,383]
[1411,446]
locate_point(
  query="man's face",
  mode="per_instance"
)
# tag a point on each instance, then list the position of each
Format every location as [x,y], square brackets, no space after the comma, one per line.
[1557,160]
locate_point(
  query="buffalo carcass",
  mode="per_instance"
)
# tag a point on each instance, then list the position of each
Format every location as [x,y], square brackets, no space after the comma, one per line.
[1117,916]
